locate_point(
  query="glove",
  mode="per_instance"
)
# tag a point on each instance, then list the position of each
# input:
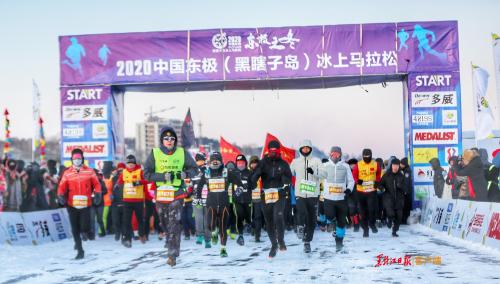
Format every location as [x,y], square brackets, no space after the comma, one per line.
[238,191]
[97,198]
[180,175]
[136,183]
[61,200]
[360,182]
[169,177]
[347,191]
[310,171]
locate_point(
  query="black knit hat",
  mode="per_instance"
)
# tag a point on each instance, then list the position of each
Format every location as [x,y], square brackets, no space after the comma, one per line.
[241,158]
[216,156]
[273,144]
[367,152]
[200,157]
[404,162]
[395,161]
[131,159]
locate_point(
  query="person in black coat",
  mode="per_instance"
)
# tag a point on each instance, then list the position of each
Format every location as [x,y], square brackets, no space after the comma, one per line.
[438,177]
[472,168]
[393,185]
[405,168]
[276,178]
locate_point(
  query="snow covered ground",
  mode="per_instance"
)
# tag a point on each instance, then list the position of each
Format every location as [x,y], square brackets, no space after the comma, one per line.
[108,262]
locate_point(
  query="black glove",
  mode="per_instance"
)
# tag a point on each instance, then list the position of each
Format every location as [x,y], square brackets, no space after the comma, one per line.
[61,200]
[360,182]
[238,191]
[97,198]
[347,191]
[136,183]
[377,184]
[310,171]
[180,175]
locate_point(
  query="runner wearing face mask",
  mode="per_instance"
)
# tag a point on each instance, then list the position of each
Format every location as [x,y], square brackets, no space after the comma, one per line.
[338,184]
[242,204]
[78,183]
[276,177]
[367,174]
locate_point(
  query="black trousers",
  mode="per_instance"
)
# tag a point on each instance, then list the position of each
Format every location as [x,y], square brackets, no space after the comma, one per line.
[336,210]
[394,211]
[96,215]
[275,223]
[117,212]
[80,223]
[138,209]
[243,213]
[307,216]
[258,215]
[368,204]
[219,217]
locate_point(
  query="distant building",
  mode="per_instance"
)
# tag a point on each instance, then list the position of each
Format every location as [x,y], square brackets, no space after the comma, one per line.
[147,136]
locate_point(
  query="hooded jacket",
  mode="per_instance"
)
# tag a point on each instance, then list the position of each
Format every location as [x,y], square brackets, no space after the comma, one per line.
[438,181]
[190,167]
[299,170]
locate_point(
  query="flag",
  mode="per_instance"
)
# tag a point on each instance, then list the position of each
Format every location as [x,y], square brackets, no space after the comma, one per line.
[187,131]
[484,116]
[496,59]
[228,151]
[8,140]
[287,154]
[202,149]
[36,116]
[42,141]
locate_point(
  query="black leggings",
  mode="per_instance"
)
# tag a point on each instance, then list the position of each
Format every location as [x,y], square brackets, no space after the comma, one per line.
[243,212]
[307,209]
[218,217]
[275,221]
[80,223]
[336,210]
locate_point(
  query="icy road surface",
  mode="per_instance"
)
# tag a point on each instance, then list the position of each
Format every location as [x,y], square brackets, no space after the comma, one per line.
[106,261]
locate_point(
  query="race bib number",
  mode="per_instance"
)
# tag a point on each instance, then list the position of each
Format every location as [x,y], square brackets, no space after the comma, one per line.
[334,189]
[204,192]
[271,195]
[256,194]
[165,193]
[307,186]
[80,201]
[132,192]
[216,185]
[368,186]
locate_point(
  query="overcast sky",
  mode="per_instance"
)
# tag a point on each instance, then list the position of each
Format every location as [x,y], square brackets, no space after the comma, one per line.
[29,50]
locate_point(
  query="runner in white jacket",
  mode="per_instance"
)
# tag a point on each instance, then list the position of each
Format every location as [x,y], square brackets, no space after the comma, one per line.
[306,170]
[338,184]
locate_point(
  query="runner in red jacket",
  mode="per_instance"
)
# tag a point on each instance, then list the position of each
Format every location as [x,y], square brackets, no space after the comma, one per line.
[79,187]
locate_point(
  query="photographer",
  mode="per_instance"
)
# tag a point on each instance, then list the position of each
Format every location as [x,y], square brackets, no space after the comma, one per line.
[470,177]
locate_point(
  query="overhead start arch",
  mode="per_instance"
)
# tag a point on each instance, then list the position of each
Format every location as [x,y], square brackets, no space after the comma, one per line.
[97,70]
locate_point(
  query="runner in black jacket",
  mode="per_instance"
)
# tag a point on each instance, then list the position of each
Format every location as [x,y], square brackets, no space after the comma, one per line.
[276,177]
